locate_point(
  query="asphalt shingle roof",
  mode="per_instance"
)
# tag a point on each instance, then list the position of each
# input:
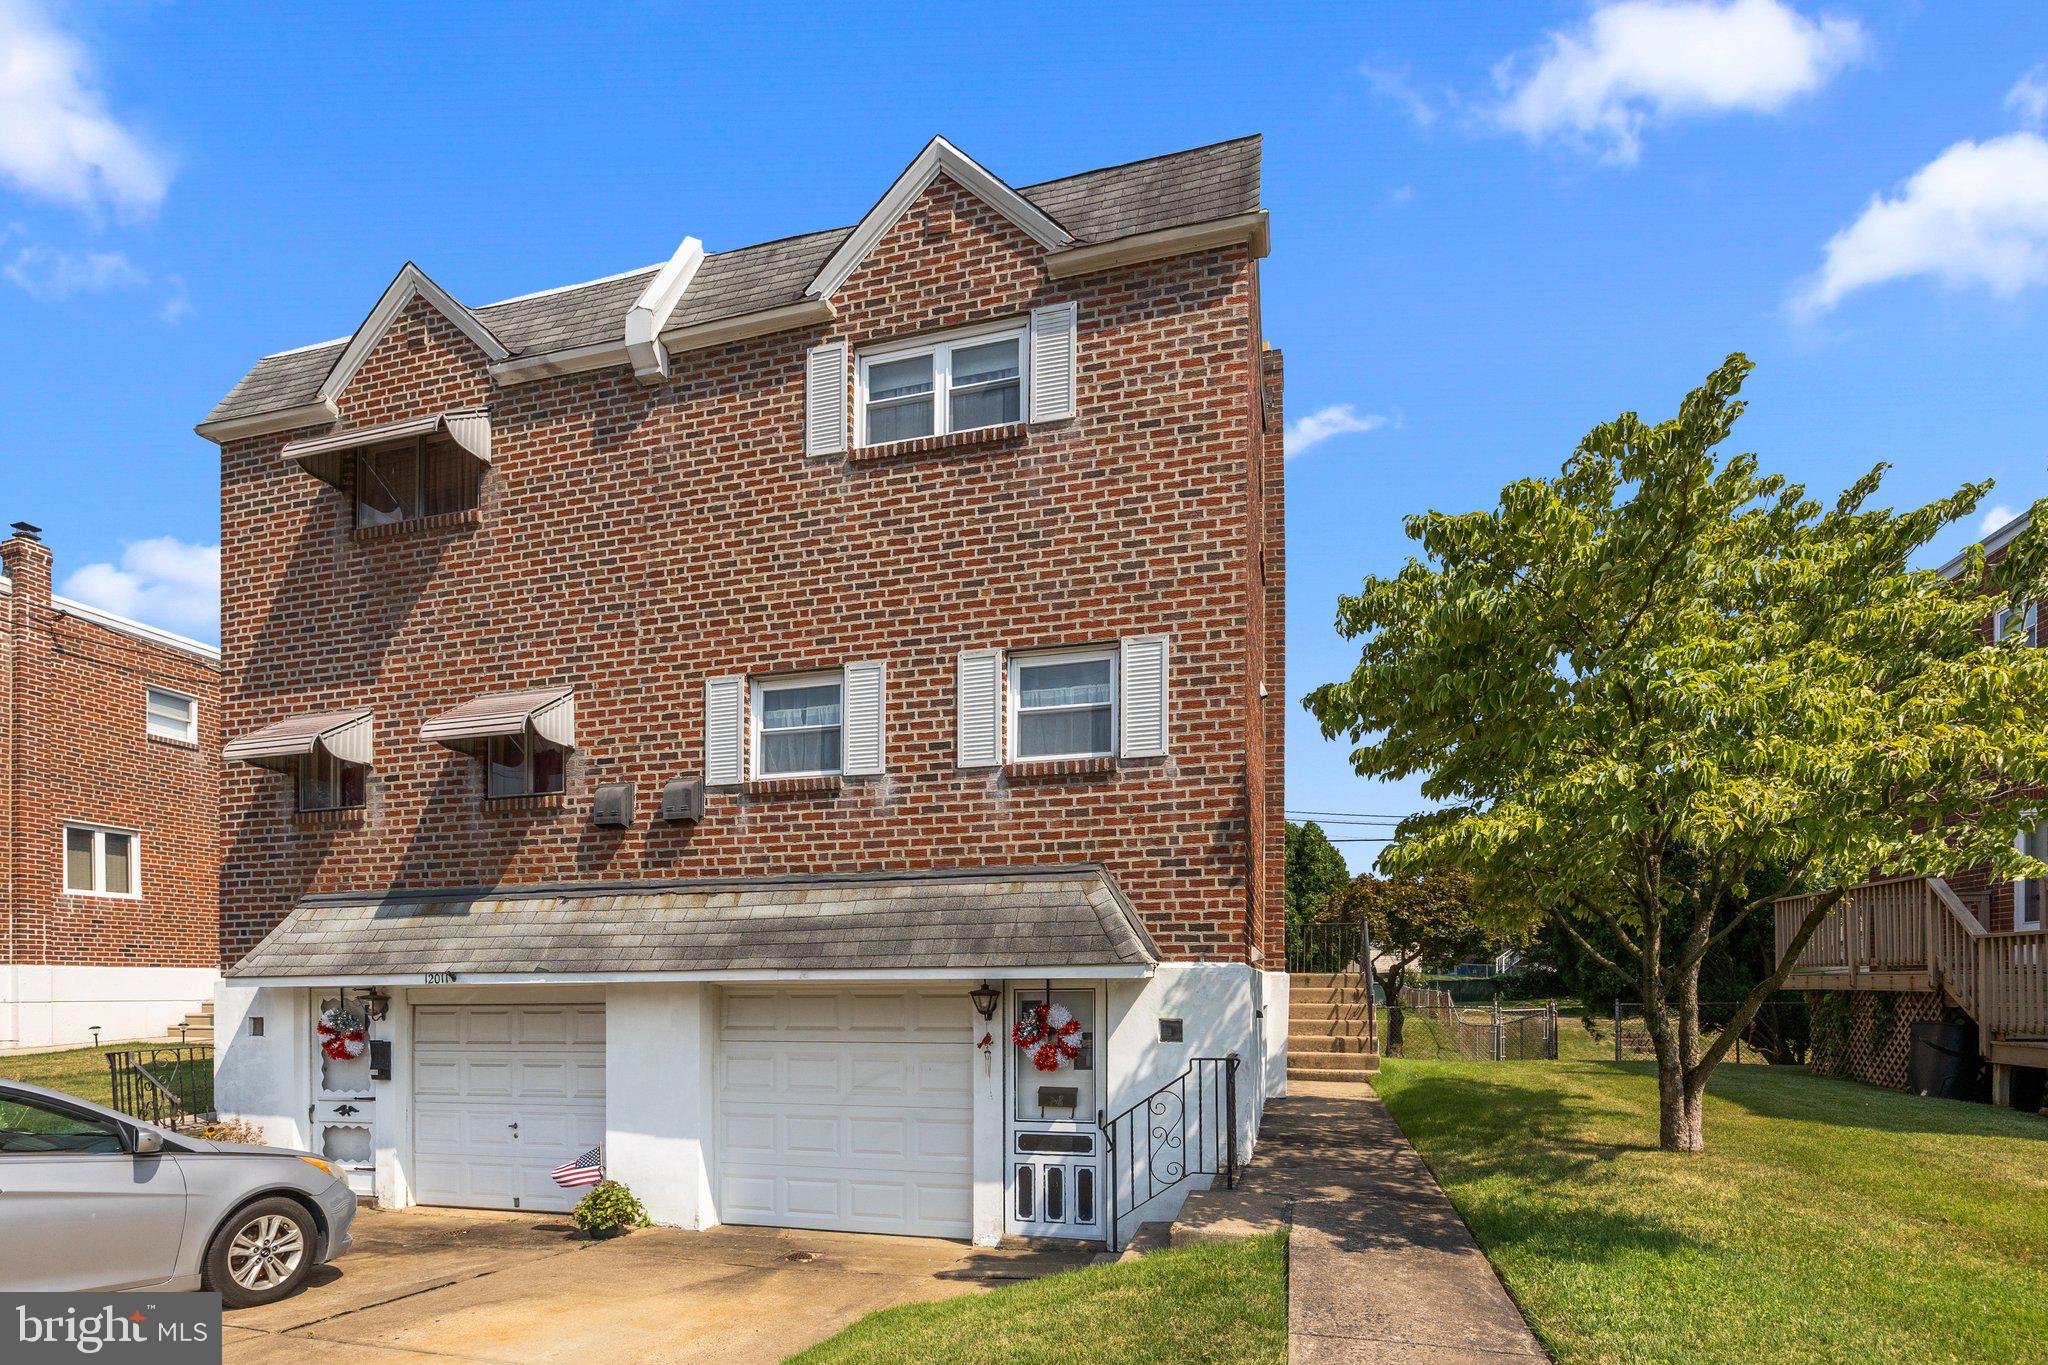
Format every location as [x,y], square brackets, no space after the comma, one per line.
[1030,917]
[1207,183]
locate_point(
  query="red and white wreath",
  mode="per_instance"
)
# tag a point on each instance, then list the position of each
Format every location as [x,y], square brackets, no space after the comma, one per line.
[342,1035]
[1046,1032]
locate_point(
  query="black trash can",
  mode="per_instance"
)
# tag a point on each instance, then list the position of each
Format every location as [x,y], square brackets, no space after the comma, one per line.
[1945,1062]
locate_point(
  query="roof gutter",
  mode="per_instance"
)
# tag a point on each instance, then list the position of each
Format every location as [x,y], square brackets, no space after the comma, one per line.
[317,413]
[1251,230]
[1122,972]
[1993,543]
[652,310]
[739,327]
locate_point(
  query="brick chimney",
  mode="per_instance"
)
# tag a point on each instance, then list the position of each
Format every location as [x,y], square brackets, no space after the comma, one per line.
[28,562]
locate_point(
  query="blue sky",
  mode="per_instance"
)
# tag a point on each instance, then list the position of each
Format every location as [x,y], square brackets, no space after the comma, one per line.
[1493,225]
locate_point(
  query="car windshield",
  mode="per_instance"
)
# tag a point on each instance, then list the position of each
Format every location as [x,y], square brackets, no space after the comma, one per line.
[27,1126]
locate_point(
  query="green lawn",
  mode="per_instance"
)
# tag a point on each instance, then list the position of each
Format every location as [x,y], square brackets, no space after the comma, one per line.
[81,1072]
[1226,1302]
[1826,1221]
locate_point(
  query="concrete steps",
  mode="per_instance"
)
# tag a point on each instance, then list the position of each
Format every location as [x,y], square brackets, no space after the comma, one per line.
[1329,1017]
[198,1026]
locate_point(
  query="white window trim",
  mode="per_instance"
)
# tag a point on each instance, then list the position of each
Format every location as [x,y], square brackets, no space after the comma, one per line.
[941,347]
[149,722]
[757,690]
[528,744]
[1013,690]
[99,861]
[2020,923]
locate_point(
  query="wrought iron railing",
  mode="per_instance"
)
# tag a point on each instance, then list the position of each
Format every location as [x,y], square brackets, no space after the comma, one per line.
[1341,952]
[1184,1129]
[1327,946]
[169,1086]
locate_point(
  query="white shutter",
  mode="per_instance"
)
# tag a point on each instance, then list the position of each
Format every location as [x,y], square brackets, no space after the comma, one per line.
[1142,676]
[979,742]
[825,399]
[1055,349]
[724,731]
[862,755]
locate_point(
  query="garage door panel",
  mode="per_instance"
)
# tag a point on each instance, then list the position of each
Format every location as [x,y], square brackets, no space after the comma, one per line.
[478,1071]
[846,1109]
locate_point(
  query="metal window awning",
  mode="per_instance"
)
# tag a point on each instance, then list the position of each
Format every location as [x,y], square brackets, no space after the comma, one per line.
[324,457]
[547,713]
[345,734]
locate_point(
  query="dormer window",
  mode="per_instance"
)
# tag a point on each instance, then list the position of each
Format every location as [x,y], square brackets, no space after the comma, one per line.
[935,388]
[414,479]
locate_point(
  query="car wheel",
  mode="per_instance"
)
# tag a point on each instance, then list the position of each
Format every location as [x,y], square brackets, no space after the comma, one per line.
[261,1254]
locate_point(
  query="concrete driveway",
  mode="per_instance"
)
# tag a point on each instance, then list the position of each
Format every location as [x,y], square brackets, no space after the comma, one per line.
[427,1284]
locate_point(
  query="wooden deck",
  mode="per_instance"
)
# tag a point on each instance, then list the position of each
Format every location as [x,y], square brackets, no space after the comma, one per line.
[1915,934]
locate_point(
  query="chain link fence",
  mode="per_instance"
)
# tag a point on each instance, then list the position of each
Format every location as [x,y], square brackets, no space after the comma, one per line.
[1780,1034]
[1430,1024]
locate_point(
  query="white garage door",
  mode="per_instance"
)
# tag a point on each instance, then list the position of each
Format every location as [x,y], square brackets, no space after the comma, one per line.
[846,1109]
[503,1094]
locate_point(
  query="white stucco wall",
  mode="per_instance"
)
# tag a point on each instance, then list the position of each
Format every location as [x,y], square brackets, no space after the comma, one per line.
[661,1045]
[1276,987]
[266,1079]
[44,1005]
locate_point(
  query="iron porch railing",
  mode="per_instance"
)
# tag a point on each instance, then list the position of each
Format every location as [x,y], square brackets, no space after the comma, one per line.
[1184,1129]
[168,1086]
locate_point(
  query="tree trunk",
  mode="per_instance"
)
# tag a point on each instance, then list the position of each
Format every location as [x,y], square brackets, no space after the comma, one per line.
[1680,1089]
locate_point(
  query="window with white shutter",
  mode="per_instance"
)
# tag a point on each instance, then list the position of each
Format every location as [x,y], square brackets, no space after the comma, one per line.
[1055,351]
[979,739]
[865,749]
[1063,705]
[825,399]
[1144,696]
[724,731]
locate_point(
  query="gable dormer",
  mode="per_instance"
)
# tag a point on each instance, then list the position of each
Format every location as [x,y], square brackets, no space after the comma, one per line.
[413,319]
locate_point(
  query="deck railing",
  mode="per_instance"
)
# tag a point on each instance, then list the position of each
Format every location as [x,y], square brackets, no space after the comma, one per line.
[1918,925]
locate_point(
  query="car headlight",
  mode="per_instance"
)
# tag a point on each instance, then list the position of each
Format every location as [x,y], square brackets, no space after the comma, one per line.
[316,1161]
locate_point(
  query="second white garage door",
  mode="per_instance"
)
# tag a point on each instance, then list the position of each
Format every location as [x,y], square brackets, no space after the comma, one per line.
[503,1094]
[846,1109]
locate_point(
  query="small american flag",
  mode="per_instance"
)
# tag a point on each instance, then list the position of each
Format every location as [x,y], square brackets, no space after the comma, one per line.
[587,1169]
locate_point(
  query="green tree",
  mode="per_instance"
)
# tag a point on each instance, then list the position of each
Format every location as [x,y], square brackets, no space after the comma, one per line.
[1418,922]
[1315,872]
[1663,652]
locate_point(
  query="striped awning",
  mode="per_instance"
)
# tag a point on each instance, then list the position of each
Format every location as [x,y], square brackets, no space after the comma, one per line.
[345,734]
[547,713]
[323,456]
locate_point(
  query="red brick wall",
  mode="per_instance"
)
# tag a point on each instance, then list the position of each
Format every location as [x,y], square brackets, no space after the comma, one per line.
[77,749]
[635,540]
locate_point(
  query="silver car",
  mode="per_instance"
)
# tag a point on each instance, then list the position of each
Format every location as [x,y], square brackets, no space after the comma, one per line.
[94,1200]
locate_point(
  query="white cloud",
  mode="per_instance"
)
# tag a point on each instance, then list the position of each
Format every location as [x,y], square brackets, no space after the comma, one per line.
[2028,99]
[57,140]
[1975,215]
[1995,518]
[1339,419]
[49,274]
[162,581]
[1634,62]
[1393,85]
[177,305]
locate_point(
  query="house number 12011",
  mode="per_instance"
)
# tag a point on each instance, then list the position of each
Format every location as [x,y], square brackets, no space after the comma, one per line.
[440,978]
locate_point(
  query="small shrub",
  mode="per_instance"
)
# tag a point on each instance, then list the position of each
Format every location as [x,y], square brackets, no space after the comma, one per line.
[609,1208]
[233,1130]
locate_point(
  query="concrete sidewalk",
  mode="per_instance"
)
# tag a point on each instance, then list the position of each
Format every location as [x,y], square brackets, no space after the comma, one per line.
[1380,1267]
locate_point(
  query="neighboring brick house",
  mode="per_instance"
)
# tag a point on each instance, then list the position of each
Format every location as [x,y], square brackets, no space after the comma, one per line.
[1969,950]
[661,701]
[109,770]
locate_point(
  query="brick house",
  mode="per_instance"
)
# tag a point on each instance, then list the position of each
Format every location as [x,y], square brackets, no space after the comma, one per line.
[1969,951]
[109,768]
[704,711]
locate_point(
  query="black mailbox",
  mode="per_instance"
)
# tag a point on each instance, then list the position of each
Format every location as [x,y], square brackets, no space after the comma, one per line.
[1058,1097]
[380,1059]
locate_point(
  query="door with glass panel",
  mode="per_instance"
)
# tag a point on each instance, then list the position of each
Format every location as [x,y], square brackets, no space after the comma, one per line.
[1054,1161]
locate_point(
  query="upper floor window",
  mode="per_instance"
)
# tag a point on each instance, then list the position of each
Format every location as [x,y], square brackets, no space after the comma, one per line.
[171,715]
[935,388]
[100,862]
[422,476]
[2020,621]
[327,782]
[2027,893]
[524,765]
[798,725]
[1063,705]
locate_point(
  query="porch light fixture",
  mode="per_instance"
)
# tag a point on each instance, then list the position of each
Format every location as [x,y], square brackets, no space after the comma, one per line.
[985,999]
[376,1004]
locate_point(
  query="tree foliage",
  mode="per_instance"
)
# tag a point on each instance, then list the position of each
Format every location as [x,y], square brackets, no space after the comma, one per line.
[1315,872]
[1418,922]
[1662,658]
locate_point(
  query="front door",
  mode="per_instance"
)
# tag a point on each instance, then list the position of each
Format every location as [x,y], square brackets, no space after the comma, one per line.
[1054,1160]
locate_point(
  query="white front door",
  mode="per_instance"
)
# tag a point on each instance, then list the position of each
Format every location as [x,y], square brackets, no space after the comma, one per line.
[503,1094]
[847,1109]
[1053,1172]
